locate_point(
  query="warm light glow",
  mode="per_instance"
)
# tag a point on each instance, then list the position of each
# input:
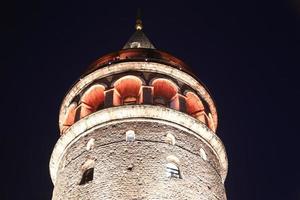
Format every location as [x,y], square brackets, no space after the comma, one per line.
[148,67]
[70,117]
[94,96]
[163,91]
[193,103]
[129,88]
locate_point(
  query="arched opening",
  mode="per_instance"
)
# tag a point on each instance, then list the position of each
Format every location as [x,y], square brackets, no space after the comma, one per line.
[92,100]
[88,172]
[172,167]
[163,91]
[211,123]
[129,88]
[69,117]
[195,107]
[87,176]
[193,103]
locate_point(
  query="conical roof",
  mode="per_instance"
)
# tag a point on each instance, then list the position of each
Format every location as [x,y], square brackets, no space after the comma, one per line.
[138,47]
[138,40]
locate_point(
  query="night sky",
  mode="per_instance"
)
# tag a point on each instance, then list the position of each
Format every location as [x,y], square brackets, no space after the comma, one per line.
[246,53]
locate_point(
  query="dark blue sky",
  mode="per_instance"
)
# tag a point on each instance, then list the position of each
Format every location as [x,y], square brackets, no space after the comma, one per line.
[246,52]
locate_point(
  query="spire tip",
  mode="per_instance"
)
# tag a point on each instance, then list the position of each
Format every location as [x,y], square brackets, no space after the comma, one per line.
[138,22]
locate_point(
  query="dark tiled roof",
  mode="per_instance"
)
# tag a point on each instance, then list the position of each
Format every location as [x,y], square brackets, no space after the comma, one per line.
[138,40]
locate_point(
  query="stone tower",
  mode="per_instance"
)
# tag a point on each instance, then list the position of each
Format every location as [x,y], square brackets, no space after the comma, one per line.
[138,125]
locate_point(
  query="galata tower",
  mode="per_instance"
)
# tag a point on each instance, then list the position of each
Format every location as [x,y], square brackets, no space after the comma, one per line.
[138,124]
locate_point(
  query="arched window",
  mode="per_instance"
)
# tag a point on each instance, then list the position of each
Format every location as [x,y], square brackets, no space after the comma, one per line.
[163,91]
[129,88]
[195,107]
[87,176]
[193,103]
[211,123]
[91,100]
[88,172]
[172,167]
[69,117]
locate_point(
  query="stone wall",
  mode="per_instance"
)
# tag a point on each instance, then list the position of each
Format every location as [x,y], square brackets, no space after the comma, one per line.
[137,170]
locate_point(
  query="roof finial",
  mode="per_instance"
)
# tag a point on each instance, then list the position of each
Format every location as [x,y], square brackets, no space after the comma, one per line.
[138,22]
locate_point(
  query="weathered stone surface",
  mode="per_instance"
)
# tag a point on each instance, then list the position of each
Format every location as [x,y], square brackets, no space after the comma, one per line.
[137,170]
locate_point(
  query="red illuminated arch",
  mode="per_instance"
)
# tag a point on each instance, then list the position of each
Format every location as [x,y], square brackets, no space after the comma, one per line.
[193,103]
[211,123]
[91,100]
[163,91]
[195,107]
[129,89]
[70,117]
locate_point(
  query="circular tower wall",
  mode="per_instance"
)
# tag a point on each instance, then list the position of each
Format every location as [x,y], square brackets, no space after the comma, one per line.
[162,160]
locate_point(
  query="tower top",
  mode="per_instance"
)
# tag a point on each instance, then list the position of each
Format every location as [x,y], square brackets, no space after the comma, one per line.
[138,22]
[138,39]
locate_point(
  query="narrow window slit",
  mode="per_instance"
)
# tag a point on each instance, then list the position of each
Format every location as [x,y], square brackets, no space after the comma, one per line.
[172,167]
[87,172]
[87,176]
[173,171]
